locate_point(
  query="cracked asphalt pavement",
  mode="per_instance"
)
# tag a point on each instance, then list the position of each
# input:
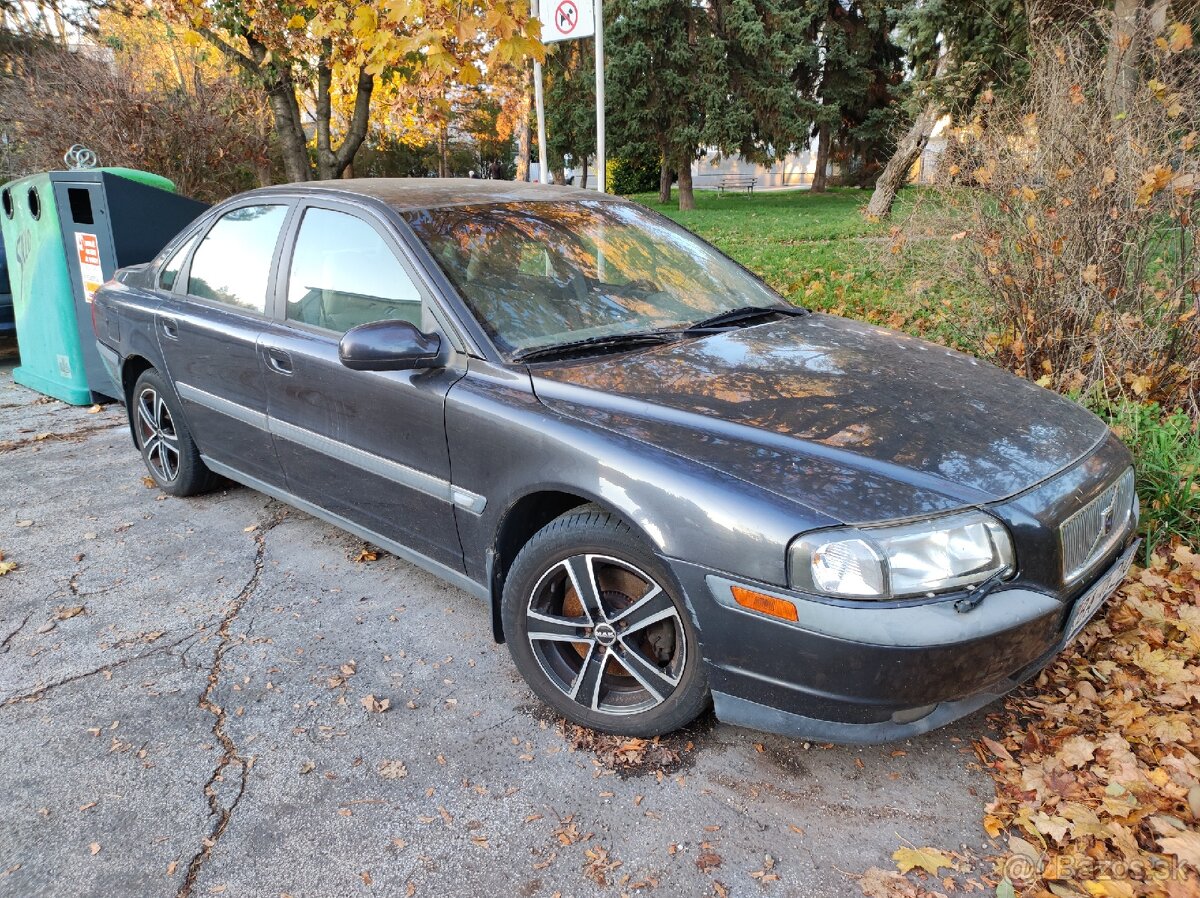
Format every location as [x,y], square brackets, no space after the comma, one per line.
[202,726]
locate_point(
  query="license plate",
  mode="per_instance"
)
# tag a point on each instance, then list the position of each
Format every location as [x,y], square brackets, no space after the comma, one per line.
[1091,601]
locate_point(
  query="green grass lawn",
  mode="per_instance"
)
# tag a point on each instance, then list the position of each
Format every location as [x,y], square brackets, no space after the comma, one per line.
[819,251]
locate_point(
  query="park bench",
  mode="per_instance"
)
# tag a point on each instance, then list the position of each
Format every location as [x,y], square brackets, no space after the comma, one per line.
[743,183]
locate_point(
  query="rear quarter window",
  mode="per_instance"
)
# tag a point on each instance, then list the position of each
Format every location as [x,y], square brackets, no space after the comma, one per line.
[169,272]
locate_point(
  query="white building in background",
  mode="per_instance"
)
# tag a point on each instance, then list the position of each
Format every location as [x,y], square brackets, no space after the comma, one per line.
[792,171]
[796,169]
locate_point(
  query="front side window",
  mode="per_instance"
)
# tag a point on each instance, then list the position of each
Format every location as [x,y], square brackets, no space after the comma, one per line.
[540,274]
[170,271]
[344,274]
[232,265]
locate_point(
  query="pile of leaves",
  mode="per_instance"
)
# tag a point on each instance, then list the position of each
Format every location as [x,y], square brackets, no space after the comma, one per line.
[1097,767]
[622,753]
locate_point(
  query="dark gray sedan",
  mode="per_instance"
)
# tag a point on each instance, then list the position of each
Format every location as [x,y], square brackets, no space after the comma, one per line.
[668,485]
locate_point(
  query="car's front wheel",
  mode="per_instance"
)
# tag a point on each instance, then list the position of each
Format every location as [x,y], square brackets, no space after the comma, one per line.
[170,455]
[597,628]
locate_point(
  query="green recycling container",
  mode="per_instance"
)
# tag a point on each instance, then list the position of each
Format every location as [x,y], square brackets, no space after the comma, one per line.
[65,233]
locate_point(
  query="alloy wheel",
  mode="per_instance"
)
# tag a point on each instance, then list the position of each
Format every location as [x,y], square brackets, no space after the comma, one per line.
[157,435]
[606,634]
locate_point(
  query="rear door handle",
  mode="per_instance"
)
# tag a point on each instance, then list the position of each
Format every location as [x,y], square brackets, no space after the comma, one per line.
[279,360]
[170,327]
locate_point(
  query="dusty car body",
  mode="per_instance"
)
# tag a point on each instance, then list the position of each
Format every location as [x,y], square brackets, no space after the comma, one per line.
[700,483]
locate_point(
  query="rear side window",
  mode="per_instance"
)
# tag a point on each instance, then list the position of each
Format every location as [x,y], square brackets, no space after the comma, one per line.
[170,271]
[232,265]
[344,274]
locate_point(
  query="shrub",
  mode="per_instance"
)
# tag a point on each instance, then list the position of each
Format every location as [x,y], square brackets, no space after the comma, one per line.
[145,99]
[1076,213]
[1166,451]
[634,174]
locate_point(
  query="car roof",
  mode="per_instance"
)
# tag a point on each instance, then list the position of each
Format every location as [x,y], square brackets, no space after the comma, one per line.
[407,194]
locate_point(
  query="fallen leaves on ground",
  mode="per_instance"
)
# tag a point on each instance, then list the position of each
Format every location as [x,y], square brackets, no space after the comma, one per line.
[598,865]
[620,752]
[375,705]
[6,567]
[392,770]
[929,859]
[879,883]
[1098,769]
[765,875]
[708,861]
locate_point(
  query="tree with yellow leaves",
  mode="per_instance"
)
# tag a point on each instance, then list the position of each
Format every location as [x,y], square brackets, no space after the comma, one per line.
[323,43]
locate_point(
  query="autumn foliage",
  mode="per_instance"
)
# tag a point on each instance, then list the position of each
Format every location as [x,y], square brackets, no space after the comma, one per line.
[1076,211]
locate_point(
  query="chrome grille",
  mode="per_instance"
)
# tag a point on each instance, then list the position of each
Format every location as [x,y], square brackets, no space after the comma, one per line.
[1092,531]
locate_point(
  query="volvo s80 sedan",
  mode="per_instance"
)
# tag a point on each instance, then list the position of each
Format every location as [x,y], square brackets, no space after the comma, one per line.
[668,485]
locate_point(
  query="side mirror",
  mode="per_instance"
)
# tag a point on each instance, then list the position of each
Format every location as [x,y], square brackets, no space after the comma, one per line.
[388,345]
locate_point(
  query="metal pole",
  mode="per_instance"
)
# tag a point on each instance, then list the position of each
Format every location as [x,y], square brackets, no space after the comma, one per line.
[539,102]
[600,164]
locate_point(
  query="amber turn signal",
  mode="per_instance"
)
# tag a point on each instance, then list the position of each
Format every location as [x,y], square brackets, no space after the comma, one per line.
[764,604]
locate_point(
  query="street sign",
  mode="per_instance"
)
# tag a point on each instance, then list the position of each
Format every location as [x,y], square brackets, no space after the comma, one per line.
[564,20]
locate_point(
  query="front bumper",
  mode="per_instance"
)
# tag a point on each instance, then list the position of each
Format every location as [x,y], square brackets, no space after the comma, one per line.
[862,673]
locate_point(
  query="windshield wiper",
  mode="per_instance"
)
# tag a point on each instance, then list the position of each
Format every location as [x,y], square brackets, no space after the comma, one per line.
[606,342]
[744,314]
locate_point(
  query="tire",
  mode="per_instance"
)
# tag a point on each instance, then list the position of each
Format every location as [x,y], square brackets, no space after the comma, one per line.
[164,439]
[619,653]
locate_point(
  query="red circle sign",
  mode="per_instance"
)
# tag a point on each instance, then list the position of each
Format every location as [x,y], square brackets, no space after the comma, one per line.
[566,16]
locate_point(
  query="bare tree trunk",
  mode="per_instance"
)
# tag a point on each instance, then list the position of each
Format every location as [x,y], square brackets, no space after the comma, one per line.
[664,183]
[523,135]
[583,161]
[820,170]
[359,120]
[281,95]
[1120,68]
[1134,21]
[687,199]
[443,155]
[895,173]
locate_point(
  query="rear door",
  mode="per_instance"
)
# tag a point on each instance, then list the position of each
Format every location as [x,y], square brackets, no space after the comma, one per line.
[209,327]
[369,446]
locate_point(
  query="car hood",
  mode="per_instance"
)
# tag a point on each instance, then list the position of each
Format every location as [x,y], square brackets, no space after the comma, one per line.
[857,422]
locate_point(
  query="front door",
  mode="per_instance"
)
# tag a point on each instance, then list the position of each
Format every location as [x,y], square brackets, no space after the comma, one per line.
[209,328]
[368,446]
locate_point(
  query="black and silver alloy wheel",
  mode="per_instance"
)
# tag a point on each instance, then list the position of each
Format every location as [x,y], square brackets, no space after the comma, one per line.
[157,435]
[170,454]
[606,634]
[599,629]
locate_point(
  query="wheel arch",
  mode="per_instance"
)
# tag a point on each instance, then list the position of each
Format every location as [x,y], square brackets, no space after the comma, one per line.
[522,519]
[132,367]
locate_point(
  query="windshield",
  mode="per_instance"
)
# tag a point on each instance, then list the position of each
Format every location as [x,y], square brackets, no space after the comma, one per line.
[540,274]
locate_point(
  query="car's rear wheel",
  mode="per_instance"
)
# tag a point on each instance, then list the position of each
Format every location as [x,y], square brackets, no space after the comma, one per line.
[599,630]
[167,448]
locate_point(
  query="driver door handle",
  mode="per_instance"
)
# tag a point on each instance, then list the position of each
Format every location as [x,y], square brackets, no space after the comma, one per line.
[170,327]
[279,361]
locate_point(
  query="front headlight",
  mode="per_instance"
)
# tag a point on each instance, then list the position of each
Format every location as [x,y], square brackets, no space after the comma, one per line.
[921,558]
